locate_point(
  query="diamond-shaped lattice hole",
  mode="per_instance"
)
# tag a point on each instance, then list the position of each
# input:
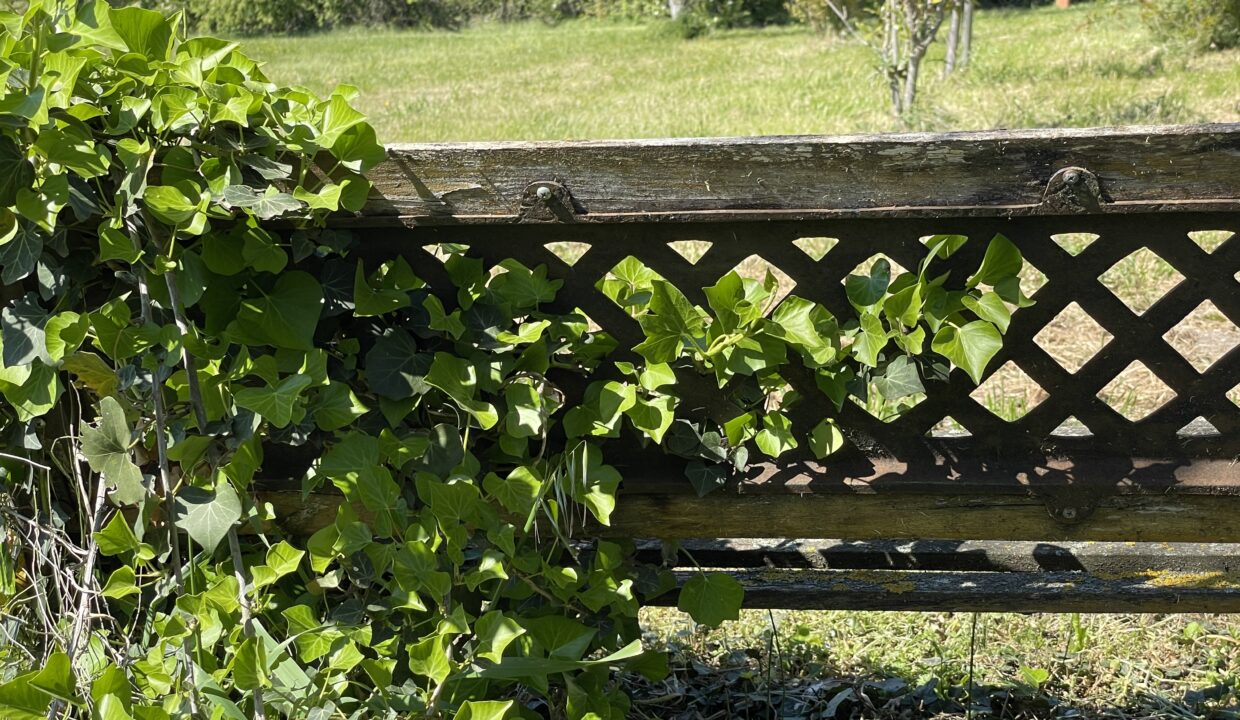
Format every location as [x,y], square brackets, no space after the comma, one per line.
[569,252]
[1074,243]
[884,409]
[1234,395]
[1199,427]
[1136,392]
[1209,240]
[1140,279]
[816,247]
[1204,336]
[948,427]
[691,250]
[756,267]
[1009,393]
[443,251]
[1072,338]
[1031,278]
[1071,427]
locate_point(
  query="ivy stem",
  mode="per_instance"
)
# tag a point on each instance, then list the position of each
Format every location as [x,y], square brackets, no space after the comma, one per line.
[183,325]
[247,613]
[200,415]
[161,448]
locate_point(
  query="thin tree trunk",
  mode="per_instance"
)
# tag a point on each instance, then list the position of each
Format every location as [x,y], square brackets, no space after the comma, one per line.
[953,36]
[675,8]
[910,78]
[966,34]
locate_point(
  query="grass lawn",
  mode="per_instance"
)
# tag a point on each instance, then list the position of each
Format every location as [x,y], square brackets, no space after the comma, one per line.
[1094,64]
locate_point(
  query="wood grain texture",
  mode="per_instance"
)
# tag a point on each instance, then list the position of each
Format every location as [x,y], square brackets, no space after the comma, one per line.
[1161,592]
[982,515]
[1003,174]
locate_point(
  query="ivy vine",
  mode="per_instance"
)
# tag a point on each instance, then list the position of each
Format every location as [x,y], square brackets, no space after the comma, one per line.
[179,320]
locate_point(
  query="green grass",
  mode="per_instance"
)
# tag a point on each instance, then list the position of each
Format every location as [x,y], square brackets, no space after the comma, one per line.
[1092,65]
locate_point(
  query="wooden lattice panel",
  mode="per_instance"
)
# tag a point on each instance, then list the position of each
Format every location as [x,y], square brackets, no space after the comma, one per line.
[1083,455]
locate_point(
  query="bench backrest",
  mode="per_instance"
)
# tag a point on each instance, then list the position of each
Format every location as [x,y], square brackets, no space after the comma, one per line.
[1168,476]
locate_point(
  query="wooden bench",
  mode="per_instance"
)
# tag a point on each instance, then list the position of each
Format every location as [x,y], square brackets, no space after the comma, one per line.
[1028,515]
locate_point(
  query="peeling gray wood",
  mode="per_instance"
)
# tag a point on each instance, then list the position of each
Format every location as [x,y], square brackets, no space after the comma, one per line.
[1138,169]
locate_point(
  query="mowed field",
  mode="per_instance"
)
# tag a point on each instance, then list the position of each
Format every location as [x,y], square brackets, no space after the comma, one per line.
[1092,65]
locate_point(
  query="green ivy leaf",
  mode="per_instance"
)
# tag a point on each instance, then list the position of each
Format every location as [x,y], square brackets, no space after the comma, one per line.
[826,438]
[145,32]
[20,255]
[899,379]
[1002,260]
[775,438]
[16,172]
[285,317]
[336,407]
[23,332]
[274,403]
[249,668]
[866,290]
[121,584]
[518,491]
[394,367]
[116,245]
[271,203]
[56,678]
[484,710]
[870,341]
[168,204]
[116,537]
[970,346]
[458,379]
[990,306]
[208,515]
[711,598]
[106,448]
[372,302]
[495,632]
[704,478]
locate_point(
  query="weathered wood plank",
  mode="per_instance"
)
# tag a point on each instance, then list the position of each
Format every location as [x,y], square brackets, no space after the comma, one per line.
[1172,518]
[980,516]
[1100,558]
[1161,592]
[1138,169]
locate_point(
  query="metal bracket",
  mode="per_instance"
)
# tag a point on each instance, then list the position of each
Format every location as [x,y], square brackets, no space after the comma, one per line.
[1073,190]
[547,201]
[1068,507]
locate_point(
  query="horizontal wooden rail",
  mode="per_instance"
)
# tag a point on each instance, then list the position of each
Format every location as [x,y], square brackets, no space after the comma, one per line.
[998,174]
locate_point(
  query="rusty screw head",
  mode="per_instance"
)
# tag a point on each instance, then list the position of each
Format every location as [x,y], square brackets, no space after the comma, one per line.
[1068,513]
[543,193]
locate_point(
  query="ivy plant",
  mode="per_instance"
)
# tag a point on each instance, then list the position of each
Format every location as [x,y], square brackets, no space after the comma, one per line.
[182,325]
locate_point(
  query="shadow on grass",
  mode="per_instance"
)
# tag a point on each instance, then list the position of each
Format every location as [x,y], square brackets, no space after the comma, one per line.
[798,685]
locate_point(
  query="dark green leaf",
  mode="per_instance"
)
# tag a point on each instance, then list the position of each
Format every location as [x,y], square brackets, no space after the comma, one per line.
[285,317]
[16,172]
[394,367]
[711,598]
